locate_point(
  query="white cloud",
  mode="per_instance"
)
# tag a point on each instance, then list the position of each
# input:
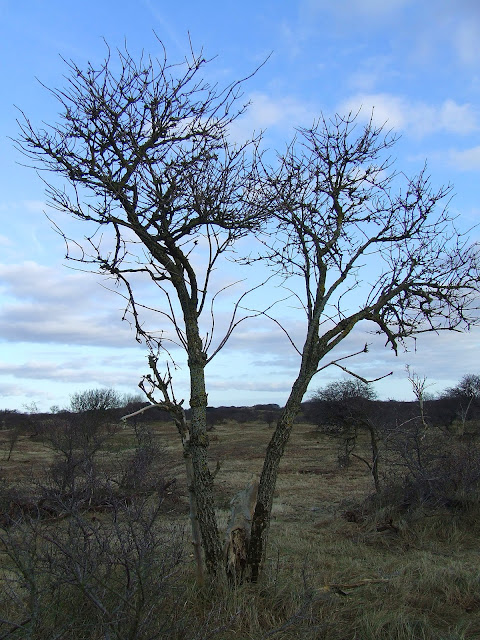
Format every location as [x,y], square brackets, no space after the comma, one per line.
[456,118]
[33,370]
[76,370]
[452,28]
[56,324]
[371,71]
[37,282]
[11,390]
[465,160]
[426,33]
[257,386]
[416,117]
[266,112]
[465,40]
[47,305]
[34,206]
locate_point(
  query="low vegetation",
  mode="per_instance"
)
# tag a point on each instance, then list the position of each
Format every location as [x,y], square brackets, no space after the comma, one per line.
[93,514]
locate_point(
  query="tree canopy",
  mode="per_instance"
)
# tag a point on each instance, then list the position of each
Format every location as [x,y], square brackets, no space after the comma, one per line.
[345,389]
[468,387]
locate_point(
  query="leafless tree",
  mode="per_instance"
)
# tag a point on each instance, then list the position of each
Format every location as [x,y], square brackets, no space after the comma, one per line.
[95,400]
[347,221]
[148,168]
[348,407]
[467,391]
[344,390]
[146,163]
[419,387]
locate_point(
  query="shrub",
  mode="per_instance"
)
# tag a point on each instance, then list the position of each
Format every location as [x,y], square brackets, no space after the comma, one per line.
[90,577]
[431,468]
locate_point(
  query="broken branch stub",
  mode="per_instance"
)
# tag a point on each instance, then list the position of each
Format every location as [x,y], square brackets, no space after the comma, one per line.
[237,535]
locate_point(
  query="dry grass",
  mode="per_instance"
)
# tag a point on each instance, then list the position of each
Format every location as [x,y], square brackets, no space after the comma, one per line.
[326,577]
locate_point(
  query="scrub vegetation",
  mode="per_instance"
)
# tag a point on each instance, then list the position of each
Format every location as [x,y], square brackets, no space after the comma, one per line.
[93,513]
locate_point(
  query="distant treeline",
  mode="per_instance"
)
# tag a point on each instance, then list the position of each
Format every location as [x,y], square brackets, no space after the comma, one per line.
[10,419]
[441,412]
[390,414]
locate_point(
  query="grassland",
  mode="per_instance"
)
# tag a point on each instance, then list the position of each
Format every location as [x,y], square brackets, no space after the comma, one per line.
[337,568]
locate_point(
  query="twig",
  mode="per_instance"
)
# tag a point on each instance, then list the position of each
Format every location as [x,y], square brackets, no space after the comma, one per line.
[15,626]
[339,588]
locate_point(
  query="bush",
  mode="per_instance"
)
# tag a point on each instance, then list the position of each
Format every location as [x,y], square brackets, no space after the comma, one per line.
[85,554]
[147,469]
[90,577]
[84,473]
[431,468]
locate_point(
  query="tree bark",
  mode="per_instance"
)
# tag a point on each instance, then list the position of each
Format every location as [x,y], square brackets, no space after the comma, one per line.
[202,478]
[268,478]
[313,350]
[196,533]
[375,456]
[237,535]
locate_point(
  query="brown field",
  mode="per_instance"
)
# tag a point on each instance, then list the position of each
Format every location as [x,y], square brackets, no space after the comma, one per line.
[336,570]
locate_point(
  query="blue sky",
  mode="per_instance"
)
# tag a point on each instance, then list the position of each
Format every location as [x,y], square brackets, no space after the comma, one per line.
[416,63]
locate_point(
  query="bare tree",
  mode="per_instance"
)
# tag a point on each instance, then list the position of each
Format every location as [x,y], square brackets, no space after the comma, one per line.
[419,387]
[143,150]
[347,407]
[347,221]
[148,168]
[95,400]
[467,391]
[344,390]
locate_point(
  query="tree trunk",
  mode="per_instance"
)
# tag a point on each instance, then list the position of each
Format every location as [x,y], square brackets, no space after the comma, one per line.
[375,456]
[202,478]
[268,478]
[311,354]
[196,533]
[196,444]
